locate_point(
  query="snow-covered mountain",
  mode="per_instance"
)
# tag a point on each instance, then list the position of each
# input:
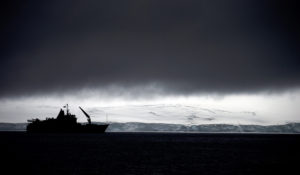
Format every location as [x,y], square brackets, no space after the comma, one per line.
[174,114]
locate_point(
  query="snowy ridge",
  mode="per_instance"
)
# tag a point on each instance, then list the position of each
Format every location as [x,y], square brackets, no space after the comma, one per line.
[226,128]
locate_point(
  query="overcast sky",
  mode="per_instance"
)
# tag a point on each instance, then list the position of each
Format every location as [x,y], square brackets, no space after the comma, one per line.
[149,49]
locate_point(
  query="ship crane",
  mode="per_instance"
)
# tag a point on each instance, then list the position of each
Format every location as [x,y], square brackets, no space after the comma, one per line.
[87,115]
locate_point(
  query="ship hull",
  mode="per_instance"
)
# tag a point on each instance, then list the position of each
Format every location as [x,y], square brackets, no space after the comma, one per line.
[93,128]
[88,128]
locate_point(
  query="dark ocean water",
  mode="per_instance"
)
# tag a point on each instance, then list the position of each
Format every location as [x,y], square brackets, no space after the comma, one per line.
[149,153]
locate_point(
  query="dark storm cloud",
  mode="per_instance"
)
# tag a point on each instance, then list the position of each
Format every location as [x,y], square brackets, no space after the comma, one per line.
[184,46]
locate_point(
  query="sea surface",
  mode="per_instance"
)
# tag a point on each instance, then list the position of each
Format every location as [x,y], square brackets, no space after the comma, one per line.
[149,153]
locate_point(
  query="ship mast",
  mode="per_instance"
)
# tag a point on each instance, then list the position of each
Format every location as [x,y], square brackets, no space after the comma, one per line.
[67,109]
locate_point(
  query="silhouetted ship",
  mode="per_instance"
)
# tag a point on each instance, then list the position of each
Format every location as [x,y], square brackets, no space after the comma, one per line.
[65,122]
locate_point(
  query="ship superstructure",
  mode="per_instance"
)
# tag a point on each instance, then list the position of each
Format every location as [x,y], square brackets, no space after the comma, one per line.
[65,122]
